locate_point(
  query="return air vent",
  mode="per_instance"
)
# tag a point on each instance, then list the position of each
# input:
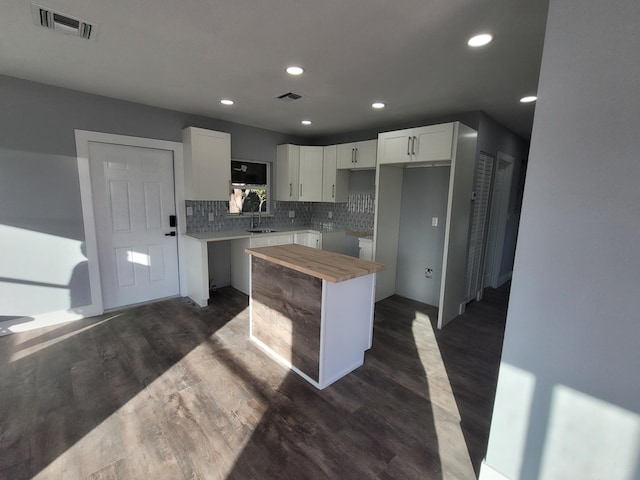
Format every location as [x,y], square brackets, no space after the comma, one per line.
[289,97]
[60,22]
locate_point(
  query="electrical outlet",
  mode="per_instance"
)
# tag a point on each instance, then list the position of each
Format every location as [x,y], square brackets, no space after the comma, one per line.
[212,216]
[330,214]
[292,213]
[428,272]
[434,221]
[189,211]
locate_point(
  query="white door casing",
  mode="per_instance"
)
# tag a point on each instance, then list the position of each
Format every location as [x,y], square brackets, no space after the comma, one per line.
[133,200]
[83,140]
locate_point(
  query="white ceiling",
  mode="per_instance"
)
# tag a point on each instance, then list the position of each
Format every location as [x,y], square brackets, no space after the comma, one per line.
[186,55]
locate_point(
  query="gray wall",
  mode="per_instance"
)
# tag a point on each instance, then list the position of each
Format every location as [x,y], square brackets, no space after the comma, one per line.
[568,397]
[424,196]
[39,187]
[494,138]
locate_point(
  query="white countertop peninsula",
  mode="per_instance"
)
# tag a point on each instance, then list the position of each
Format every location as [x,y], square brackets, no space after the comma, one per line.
[197,253]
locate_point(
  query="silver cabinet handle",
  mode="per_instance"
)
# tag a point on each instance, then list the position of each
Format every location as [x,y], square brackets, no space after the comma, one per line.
[353,154]
[356,156]
[408,145]
[333,191]
[291,189]
[413,146]
[300,189]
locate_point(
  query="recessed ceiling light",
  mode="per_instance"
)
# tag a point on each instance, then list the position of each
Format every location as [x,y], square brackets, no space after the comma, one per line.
[480,40]
[529,99]
[378,105]
[306,122]
[295,70]
[226,101]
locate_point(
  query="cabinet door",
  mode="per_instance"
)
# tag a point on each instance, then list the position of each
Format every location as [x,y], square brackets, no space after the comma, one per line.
[346,155]
[309,239]
[433,143]
[365,249]
[329,171]
[207,163]
[310,187]
[395,147]
[287,172]
[365,154]
[335,183]
[281,239]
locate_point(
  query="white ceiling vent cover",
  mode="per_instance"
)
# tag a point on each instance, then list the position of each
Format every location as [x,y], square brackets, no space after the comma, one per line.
[60,22]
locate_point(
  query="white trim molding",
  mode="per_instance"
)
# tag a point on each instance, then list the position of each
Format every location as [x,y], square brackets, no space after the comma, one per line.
[83,138]
[489,473]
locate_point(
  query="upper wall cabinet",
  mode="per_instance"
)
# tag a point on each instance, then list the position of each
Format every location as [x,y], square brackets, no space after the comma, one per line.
[207,164]
[299,173]
[287,172]
[357,155]
[424,144]
[335,183]
[310,186]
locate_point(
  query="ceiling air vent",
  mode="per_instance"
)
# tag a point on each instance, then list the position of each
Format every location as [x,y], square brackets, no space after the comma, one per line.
[60,22]
[288,97]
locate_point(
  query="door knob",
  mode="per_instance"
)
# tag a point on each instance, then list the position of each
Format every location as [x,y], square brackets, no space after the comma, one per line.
[170,234]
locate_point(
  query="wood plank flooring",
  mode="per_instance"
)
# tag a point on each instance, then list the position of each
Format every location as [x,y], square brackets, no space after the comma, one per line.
[172,391]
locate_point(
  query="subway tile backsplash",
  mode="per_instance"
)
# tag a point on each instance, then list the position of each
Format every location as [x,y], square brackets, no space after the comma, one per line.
[356,214]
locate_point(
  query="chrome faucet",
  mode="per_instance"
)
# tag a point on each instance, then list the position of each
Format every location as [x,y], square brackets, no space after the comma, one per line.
[253,219]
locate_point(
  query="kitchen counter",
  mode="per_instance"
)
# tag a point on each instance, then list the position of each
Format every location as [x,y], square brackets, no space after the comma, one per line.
[312,310]
[239,234]
[197,247]
[330,266]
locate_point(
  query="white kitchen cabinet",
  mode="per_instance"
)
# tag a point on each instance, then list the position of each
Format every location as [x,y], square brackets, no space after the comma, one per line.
[365,249]
[299,173]
[357,155]
[207,164]
[310,181]
[309,239]
[335,183]
[287,172]
[431,144]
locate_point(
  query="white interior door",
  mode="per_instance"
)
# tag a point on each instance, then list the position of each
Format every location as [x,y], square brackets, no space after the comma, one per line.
[478,228]
[498,222]
[133,193]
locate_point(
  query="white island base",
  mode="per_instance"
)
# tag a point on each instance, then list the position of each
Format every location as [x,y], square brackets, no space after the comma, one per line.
[317,327]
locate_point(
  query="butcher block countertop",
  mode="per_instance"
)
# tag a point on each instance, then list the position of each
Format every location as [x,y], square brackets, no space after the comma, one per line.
[330,266]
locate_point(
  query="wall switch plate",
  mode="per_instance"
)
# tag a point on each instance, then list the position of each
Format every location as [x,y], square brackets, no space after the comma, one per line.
[330,214]
[189,211]
[212,216]
[292,213]
[434,221]
[428,272]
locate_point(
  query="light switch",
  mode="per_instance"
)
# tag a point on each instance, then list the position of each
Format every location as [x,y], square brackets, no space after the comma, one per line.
[212,216]
[292,213]
[189,211]
[434,221]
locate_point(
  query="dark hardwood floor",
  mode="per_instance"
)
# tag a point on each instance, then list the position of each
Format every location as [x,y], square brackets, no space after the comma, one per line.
[172,391]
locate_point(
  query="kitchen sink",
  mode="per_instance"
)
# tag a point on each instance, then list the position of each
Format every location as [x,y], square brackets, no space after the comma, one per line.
[261,230]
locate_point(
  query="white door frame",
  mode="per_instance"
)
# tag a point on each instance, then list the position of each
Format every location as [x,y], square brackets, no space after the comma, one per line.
[83,138]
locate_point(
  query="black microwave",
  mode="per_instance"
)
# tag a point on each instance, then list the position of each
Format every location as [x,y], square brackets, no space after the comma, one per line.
[248,173]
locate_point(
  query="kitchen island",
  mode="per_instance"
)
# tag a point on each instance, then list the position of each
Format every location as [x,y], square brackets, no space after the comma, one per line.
[312,309]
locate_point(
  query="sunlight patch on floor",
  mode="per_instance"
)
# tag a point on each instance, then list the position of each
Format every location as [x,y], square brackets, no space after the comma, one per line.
[451,442]
[33,345]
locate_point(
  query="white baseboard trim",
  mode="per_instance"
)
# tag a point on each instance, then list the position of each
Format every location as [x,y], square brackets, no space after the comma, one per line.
[48,319]
[488,473]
